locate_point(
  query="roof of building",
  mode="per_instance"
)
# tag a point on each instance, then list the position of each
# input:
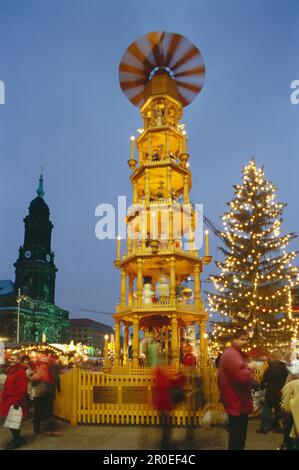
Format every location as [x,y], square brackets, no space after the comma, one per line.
[38,207]
[7,287]
[86,322]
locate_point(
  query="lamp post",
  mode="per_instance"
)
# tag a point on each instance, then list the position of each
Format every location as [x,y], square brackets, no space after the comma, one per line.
[18,321]
[19,300]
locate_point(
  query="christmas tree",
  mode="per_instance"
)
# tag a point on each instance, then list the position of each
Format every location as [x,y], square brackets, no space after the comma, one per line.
[254,287]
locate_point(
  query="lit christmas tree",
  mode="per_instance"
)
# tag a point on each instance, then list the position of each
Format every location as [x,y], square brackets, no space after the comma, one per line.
[254,288]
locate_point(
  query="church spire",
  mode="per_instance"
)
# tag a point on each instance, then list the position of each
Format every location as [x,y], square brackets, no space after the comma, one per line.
[35,268]
[40,190]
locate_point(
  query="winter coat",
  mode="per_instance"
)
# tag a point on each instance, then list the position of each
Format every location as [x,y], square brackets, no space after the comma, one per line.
[43,384]
[189,359]
[42,372]
[235,381]
[274,379]
[162,391]
[2,380]
[290,403]
[56,378]
[15,389]
[29,373]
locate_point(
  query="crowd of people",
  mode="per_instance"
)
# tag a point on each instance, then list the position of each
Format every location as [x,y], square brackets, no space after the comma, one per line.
[26,384]
[154,348]
[281,387]
[32,385]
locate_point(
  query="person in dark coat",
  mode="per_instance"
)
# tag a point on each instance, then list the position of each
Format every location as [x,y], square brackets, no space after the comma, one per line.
[235,378]
[43,392]
[217,360]
[273,381]
[14,394]
[26,361]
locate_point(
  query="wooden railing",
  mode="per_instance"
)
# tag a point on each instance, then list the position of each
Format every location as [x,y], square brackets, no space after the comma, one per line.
[126,398]
[163,249]
[161,306]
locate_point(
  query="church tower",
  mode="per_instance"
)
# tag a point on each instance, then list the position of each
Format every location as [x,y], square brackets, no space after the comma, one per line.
[35,268]
[27,308]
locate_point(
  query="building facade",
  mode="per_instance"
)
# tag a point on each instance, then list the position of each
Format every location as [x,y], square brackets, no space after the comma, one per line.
[90,332]
[27,307]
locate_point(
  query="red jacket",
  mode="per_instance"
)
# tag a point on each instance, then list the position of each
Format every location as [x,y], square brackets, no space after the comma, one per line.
[41,372]
[15,389]
[189,360]
[162,391]
[235,382]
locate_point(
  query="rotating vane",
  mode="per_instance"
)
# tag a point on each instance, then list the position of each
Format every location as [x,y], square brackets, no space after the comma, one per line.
[161,51]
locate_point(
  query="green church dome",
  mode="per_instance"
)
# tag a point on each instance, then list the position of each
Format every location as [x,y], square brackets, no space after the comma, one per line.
[39,208]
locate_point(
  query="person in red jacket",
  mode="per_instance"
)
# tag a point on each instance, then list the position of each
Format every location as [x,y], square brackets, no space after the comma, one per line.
[165,400]
[14,393]
[189,359]
[235,378]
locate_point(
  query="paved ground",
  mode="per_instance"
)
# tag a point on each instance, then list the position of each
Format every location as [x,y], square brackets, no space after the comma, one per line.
[98,437]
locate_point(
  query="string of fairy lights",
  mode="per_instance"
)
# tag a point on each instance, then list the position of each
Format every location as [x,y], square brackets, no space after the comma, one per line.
[221,337]
[34,349]
[256,280]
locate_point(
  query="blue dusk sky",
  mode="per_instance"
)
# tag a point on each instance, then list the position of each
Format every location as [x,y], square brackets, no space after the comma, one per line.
[65,110]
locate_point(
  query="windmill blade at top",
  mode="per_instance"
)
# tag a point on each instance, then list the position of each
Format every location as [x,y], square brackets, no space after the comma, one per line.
[156,51]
